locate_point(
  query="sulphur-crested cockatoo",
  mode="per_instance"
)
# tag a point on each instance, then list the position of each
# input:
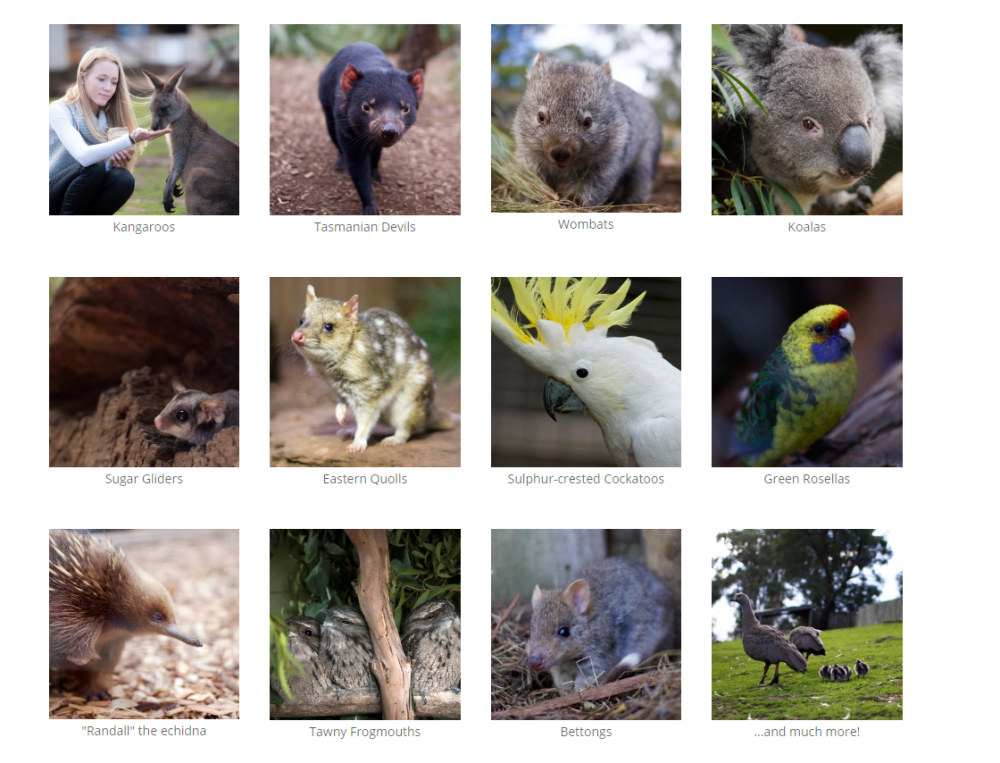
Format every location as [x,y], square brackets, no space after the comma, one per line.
[623,383]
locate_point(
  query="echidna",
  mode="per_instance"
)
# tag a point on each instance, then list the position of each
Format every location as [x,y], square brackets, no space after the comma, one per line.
[98,599]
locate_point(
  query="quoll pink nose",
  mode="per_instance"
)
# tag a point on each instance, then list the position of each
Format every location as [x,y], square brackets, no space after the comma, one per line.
[298,337]
[536,662]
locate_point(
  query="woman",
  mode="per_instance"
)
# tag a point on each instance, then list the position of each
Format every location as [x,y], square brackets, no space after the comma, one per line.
[88,173]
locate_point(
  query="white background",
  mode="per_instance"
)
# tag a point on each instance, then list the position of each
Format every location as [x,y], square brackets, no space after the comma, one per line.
[936,505]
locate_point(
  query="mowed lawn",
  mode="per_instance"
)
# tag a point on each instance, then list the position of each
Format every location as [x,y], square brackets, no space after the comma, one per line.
[736,694]
[221,109]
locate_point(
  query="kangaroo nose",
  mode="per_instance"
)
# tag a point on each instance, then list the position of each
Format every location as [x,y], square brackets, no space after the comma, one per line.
[855,152]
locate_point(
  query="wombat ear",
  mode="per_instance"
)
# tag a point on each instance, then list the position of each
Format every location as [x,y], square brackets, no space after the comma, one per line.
[214,409]
[417,80]
[607,67]
[577,595]
[349,78]
[178,387]
[310,295]
[536,597]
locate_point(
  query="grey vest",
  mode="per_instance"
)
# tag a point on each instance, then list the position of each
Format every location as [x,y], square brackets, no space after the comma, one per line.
[61,159]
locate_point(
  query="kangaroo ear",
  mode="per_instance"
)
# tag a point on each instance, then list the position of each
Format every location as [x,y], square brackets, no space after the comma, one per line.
[174,81]
[417,80]
[155,81]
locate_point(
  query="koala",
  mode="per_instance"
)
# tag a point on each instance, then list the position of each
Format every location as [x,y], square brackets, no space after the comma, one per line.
[830,110]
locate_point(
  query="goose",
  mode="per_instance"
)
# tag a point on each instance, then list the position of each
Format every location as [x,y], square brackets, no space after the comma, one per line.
[861,668]
[767,644]
[843,673]
[807,640]
[826,672]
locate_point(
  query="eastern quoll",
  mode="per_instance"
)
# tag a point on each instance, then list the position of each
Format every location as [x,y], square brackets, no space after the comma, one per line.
[376,364]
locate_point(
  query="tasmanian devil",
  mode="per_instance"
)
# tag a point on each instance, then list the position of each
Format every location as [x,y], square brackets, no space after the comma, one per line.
[368,104]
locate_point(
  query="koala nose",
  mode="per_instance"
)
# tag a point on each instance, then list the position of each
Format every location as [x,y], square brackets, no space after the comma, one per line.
[855,152]
[560,154]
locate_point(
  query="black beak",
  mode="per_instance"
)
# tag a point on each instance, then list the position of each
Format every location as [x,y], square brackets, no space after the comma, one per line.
[561,398]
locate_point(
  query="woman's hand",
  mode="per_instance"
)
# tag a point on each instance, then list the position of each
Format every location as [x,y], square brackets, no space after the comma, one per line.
[121,159]
[140,134]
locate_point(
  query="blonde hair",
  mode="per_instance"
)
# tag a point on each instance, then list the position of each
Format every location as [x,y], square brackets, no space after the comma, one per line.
[119,110]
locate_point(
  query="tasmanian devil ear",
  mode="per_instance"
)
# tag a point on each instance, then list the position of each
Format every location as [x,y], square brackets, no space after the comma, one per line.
[155,81]
[417,80]
[174,81]
[349,78]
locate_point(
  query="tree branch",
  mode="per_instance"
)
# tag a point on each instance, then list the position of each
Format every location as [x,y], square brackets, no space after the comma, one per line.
[390,667]
[443,704]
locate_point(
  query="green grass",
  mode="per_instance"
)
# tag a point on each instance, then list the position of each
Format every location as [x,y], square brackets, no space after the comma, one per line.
[221,109]
[737,695]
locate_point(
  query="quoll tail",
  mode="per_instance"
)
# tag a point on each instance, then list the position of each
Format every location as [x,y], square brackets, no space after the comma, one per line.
[441,420]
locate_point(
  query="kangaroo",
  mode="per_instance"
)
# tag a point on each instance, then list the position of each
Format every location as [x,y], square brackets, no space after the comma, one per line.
[206,163]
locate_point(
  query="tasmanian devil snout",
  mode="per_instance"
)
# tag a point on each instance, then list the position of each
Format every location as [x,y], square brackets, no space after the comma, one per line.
[369,105]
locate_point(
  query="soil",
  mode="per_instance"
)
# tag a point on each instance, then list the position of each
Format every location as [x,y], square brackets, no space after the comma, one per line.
[421,175]
[305,432]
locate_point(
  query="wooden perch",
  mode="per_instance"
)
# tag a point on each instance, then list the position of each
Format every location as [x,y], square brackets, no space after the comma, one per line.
[871,433]
[390,667]
[445,704]
[888,199]
[625,686]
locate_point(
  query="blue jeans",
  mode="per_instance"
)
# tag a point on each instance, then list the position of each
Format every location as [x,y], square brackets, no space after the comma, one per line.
[90,190]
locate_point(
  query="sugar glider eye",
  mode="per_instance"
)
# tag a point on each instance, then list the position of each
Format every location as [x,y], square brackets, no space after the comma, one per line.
[582,370]
[328,327]
[181,415]
[564,632]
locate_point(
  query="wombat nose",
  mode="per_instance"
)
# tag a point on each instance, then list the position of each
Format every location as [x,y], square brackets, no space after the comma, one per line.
[298,337]
[560,154]
[855,152]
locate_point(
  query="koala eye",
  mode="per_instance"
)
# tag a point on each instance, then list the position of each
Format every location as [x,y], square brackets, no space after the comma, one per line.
[819,328]
[328,327]
[587,122]
[181,415]
[809,124]
[564,632]
[583,370]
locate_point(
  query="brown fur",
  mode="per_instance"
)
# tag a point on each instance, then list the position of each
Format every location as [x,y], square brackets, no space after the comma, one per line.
[206,164]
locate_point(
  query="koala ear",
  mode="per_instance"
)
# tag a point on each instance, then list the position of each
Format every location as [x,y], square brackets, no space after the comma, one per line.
[882,56]
[759,45]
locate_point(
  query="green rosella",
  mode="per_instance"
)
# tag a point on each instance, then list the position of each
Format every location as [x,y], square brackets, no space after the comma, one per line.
[802,391]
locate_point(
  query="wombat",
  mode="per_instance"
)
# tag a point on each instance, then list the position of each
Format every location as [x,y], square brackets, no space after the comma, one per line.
[592,139]
[369,104]
[617,614]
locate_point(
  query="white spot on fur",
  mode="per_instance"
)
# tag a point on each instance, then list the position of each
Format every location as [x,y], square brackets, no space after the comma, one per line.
[399,357]
[420,379]
[423,354]
[377,346]
[375,380]
[381,332]
[422,342]
[379,322]
[360,348]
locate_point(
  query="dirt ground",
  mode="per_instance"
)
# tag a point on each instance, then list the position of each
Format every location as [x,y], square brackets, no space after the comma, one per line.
[421,175]
[304,430]
[161,677]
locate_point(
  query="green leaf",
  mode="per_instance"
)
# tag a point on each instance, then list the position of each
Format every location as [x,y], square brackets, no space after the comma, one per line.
[334,550]
[747,200]
[734,189]
[788,197]
[312,547]
[720,40]
[318,580]
[718,148]
[421,599]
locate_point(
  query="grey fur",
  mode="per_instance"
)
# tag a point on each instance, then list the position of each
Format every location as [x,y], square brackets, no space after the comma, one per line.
[854,97]
[605,136]
[614,616]
[195,416]
[432,639]
[206,163]
[304,644]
